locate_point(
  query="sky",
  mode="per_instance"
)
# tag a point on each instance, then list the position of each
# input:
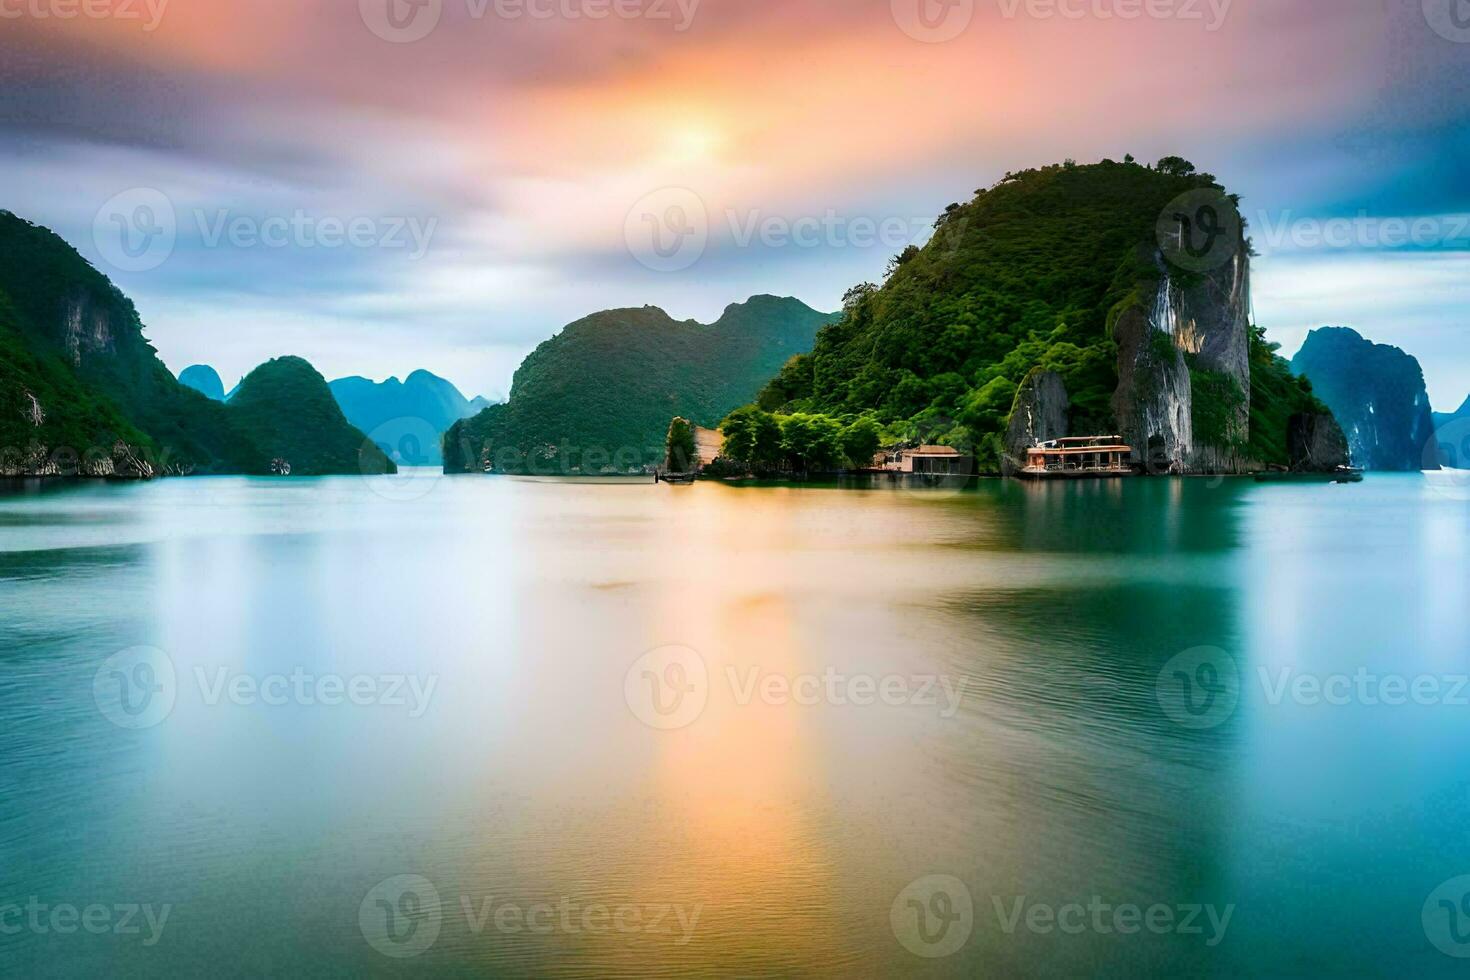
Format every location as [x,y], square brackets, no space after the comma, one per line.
[387,185]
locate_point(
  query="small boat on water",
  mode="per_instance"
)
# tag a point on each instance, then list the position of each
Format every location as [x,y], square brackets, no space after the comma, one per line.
[1449,479]
[675,478]
[1343,474]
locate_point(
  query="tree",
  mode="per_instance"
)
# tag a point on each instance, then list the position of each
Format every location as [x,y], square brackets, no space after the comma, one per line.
[794,382]
[679,450]
[1175,167]
[857,295]
[901,259]
[752,438]
[811,442]
[860,442]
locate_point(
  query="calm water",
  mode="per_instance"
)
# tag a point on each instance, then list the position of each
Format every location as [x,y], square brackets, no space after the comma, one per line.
[564,803]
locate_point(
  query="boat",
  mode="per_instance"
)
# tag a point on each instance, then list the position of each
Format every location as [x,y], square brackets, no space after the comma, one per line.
[1343,474]
[1450,480]
[1078,458]
[675,478]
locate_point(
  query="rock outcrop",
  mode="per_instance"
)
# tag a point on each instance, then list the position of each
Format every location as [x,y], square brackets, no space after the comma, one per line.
[1039,415]
[1378,395]
[1316,443]
[1191,343]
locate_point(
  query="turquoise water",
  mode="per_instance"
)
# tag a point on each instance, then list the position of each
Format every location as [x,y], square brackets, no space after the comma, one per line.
[625,730]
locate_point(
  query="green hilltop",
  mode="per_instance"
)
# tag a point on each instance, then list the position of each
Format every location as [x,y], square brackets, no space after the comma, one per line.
[599,395]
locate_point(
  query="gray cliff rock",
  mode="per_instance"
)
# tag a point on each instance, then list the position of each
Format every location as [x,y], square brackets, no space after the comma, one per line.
[1377,393]
[1194,325]
[1316,443]
[1039,415]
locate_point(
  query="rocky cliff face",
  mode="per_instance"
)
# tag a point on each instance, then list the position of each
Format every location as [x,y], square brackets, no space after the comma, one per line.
[1190,344]
[1378,395]
[1039,415]
[1316,443]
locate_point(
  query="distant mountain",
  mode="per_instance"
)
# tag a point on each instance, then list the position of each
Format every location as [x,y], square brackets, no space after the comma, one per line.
[1377,393]
[406,417]
[289,410]
[600,394]
[205,380]
[1445,418]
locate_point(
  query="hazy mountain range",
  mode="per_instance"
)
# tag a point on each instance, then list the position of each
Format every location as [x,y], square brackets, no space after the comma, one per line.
[406,418]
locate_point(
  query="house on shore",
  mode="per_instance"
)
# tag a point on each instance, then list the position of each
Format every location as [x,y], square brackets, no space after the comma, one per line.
[928,461]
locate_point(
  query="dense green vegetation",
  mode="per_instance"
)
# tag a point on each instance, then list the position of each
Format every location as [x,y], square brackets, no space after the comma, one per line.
[1028,274]
[291,411]
[1216,409]
[65,308]
[72,340]
[680,452]
[599,396]
[1276,395]
[47,417]
[757,441]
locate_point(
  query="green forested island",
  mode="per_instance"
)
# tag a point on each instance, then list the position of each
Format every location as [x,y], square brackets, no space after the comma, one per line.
[598,397]
[1068,272]
[84,393]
